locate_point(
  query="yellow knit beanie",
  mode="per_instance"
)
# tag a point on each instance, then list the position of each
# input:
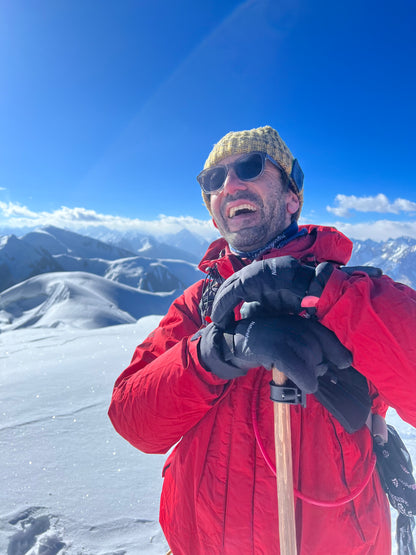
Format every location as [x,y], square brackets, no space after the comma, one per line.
[263,139]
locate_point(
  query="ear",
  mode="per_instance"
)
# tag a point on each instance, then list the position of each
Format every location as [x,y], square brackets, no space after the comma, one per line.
[214,222]
[292,202]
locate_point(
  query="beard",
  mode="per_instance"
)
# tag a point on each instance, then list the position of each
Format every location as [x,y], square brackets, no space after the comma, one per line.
[273,221]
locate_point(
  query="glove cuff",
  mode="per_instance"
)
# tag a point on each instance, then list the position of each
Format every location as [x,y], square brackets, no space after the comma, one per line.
[211,354]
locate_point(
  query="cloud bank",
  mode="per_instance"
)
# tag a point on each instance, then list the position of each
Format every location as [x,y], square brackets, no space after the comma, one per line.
[13,215]
[379,230]
[378,203]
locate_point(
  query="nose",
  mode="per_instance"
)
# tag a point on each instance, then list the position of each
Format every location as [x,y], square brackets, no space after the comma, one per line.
[232,183]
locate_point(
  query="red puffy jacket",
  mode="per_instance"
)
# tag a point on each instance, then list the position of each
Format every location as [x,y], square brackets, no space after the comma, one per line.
[219,494]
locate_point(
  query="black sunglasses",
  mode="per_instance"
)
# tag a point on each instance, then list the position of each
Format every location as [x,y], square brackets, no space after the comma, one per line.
[247,168]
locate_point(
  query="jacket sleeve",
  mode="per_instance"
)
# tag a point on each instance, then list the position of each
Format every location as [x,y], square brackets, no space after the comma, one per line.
[165,391]
[375,318]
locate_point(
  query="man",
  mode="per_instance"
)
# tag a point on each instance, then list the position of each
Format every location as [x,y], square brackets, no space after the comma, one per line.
[204,385]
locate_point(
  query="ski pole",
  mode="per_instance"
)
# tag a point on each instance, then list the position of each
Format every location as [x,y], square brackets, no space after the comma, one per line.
[284,471]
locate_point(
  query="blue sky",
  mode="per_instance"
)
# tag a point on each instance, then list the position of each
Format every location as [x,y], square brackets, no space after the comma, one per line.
[108,109]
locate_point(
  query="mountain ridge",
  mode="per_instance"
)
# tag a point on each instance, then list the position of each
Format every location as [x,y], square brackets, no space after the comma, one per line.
[50,274]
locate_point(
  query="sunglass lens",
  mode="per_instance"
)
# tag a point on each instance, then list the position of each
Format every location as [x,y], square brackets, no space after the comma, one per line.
[246,168]
[250,167]
[214,179]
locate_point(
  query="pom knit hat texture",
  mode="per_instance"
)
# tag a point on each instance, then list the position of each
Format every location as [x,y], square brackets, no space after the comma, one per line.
[263,139]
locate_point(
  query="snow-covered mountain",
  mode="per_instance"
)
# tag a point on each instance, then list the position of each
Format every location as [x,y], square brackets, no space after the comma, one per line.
[396,257]
[20,260]
[49,275]
[38,252]
[78,300]
[51,249]
[61,241]
[187,241]
[183,245]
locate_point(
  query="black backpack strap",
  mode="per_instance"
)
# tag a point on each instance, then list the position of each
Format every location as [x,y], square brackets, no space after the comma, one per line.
[395,469]
[396,472]
[211,285]
[404,535]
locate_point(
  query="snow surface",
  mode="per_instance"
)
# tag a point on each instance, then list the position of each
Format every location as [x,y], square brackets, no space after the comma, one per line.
[70,484]
[78,300]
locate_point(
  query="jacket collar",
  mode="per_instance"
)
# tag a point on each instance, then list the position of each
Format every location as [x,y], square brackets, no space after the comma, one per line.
[320,244]
[277,243]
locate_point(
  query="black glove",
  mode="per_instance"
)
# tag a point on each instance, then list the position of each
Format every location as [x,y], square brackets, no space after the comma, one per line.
[277,284]
[298,347]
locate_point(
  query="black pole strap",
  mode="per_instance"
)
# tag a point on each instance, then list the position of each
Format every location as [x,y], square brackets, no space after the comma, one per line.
[288,393]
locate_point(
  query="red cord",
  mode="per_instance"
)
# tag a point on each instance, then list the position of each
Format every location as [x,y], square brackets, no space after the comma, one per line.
[338,502]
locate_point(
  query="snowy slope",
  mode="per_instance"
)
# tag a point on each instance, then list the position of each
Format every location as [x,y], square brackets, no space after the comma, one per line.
[76,299]
[52,249]
[137,271]
[153,275]
[20,260]
[70,484]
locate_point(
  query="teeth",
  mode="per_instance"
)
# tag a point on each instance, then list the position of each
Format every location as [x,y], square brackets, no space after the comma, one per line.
[242,207]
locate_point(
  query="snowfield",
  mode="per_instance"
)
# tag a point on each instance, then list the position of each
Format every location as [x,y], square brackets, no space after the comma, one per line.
[70,484]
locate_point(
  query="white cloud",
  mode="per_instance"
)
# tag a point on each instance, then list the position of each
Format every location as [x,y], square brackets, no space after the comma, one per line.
[17,216]
[379,203]
[13,211]
[14,215]
[379,230]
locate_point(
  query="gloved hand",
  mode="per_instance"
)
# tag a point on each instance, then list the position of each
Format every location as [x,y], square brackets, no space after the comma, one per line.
[300,348]
[278,284]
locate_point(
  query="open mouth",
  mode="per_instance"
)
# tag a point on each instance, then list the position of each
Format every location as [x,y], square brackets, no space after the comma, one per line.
[240,210]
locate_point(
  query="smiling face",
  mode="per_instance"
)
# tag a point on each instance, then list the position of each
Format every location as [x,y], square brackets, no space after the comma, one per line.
[249,214]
